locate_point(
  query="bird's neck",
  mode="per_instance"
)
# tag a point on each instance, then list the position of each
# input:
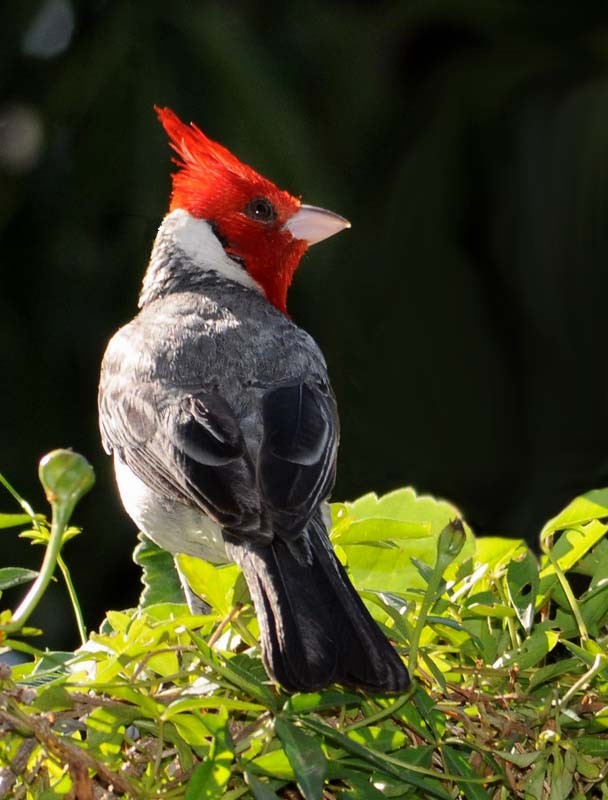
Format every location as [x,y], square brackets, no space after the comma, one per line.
[185,251]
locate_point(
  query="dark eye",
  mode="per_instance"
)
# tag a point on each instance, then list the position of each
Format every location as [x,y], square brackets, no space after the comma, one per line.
[260,209]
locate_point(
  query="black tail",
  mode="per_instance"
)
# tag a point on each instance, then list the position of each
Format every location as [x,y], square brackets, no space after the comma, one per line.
[314,627]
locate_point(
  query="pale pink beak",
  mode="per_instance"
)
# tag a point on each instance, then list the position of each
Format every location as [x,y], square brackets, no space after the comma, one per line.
[312,224]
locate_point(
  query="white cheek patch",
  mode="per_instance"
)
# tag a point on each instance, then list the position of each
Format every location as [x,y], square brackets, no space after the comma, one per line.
[196,239]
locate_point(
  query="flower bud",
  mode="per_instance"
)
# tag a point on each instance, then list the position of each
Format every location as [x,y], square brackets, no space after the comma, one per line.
[65,476]
[451,541]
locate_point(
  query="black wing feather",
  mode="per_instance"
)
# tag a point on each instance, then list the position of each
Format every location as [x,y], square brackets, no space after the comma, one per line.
[298,453]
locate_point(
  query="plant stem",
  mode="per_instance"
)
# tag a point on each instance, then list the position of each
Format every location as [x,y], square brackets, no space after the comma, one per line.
[33,597]
[576,611]
[427,602]
[598,664]
[382,713]
[515,640]
[82,631]
[450,542]
[16,496]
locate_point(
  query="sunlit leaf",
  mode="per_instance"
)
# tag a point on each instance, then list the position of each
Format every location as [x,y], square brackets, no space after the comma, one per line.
[221,587]
[583,509]
[378,529]
[275,764]
[384,738]
[191,728]
[209,780]
[159,576]
[522,585]
[317,701]
[105,732]
[14,520]
[532,652]
[570,547]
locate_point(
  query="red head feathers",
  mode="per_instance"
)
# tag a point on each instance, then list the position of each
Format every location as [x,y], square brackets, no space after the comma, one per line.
[265,227]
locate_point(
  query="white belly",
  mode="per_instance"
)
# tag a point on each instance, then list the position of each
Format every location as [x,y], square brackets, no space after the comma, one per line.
[169,524]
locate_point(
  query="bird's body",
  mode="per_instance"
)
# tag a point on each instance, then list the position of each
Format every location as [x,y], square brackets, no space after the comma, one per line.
[224,430]
[169,354]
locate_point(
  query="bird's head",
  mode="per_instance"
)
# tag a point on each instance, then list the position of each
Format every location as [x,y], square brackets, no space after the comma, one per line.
[264,228]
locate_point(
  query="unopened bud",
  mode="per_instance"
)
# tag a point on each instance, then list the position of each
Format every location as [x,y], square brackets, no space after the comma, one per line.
[65,476]
[451,541]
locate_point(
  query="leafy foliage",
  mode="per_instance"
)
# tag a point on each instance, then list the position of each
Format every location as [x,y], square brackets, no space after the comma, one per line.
[508,650]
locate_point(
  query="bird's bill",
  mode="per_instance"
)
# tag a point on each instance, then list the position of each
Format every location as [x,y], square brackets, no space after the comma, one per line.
[312,224]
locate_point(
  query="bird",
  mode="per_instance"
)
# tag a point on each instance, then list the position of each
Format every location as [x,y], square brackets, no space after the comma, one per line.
[222,422]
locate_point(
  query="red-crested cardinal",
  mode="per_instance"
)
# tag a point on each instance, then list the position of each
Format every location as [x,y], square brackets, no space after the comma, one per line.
[222,421]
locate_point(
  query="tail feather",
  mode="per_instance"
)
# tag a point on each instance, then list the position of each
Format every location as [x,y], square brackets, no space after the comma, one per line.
[314,627]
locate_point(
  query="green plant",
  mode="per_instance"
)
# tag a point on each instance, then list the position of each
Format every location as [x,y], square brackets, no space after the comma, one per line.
[510,698]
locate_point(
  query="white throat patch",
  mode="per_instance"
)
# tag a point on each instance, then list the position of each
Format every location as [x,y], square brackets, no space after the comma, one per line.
[196,239]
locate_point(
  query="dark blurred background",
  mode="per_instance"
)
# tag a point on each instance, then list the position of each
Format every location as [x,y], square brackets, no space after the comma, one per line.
[463,317]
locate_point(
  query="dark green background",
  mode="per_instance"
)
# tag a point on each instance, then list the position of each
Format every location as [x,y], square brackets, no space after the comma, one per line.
[463,316]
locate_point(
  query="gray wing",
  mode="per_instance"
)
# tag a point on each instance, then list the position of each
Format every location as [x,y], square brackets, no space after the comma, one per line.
[187,447]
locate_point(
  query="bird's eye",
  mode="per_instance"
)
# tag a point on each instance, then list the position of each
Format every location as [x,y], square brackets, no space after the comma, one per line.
[260,209]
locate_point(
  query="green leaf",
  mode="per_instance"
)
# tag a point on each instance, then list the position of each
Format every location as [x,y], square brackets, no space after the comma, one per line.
[457,763]
[571,546]
[522,760]
[15,576]
[159,576]
[317,701]
[379,529]
[495,610]
[522,585]
[589,767]
[396,768]
[275,764]
[434,670]
[209,780]
[105,732]
[53,698]
[595,564]
[360,789]
[190,703]
[192,728]
[593,745]
[537,777]
[565,666]
[385,739]
[53,661]
[391,570]
[305,756]
[533,650]
[14,520]
[590,506]
[433,718]
[497,553]
[233,672]
[594,608]
[562,774]
[587,654]
[221,587]
[259,789]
